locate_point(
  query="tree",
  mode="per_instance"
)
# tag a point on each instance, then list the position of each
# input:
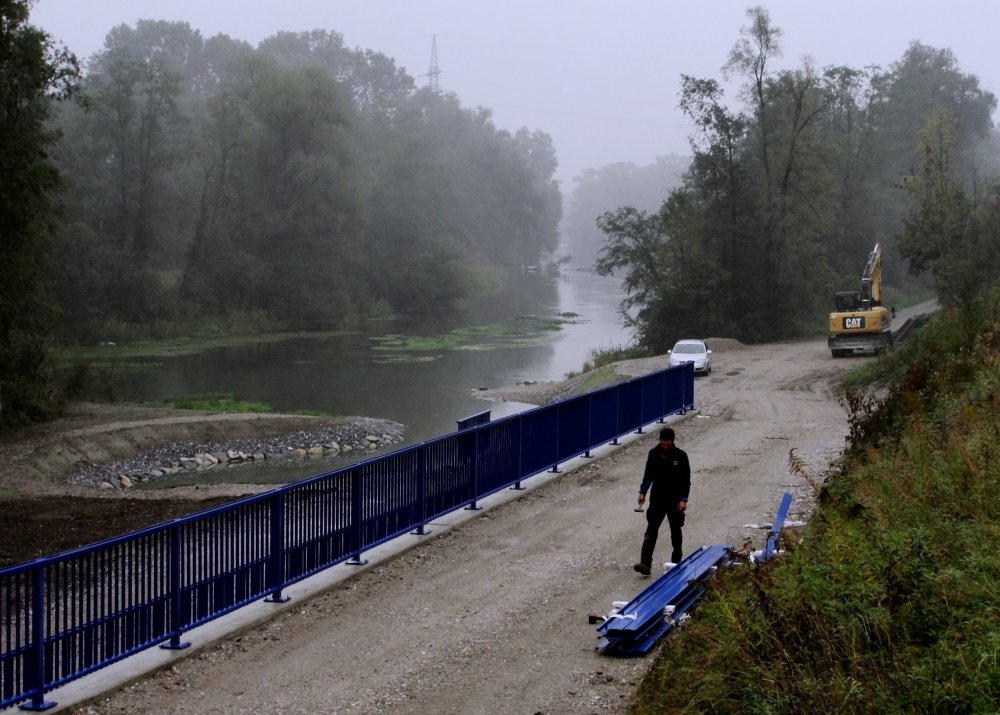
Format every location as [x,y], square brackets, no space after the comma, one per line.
[923,81]
[296,203]
[672,282]
[948,234]
[377,87]
[134,89]
[33,72]
[787,164]
[758,44]
[857,102]
[214,180]
[719,172]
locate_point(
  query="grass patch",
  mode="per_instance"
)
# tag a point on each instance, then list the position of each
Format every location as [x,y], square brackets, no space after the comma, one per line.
[596,379]
[599,357]
[229,403]
[403,359]
[526,331]
[415,343]
[218,403]
[175,347]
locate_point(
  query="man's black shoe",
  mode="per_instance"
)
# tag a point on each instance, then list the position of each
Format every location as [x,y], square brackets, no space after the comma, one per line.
[644,569]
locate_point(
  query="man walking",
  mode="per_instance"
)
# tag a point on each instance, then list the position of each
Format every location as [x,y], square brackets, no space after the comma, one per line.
[668,472]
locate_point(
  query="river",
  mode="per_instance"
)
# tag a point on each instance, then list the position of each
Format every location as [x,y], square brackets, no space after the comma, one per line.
[427,390]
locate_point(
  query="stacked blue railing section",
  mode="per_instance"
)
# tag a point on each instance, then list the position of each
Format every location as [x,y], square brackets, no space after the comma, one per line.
[69,615]
[634,628]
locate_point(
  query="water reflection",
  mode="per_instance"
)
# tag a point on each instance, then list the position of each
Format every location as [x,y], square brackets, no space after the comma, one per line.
[343,376]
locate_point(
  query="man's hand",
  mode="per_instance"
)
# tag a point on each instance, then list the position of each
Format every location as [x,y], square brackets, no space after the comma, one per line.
[642,498]
[683,505]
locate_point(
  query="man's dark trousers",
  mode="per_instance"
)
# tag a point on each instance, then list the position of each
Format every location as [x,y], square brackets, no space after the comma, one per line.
[654,517]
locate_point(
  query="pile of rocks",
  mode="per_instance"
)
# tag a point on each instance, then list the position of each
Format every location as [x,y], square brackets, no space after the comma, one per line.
[366,434]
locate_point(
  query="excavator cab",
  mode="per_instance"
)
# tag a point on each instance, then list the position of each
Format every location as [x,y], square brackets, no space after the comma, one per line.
[847,301]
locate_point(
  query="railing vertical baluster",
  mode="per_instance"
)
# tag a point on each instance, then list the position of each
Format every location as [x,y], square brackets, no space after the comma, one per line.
[520,455]
[642,409]
[356,518]
[618,413]
[590,425]
[276,559]
[474,474]
[422,492]
[555,466]
[176,610]
[35,670]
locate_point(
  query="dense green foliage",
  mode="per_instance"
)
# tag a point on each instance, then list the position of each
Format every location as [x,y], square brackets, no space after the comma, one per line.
[787,195]
[32,72]
[204,185]
[886,602]
[955,232]
[298,184]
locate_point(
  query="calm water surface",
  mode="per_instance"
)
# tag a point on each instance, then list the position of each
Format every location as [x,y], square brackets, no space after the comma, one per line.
[344,376]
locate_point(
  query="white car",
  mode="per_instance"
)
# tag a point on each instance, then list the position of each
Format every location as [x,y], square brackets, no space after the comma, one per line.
[692,351]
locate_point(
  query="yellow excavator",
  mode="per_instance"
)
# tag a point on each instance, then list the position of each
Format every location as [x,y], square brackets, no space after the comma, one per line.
[861,324]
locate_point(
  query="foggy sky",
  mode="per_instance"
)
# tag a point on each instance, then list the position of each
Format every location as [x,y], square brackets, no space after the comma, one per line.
[601,77]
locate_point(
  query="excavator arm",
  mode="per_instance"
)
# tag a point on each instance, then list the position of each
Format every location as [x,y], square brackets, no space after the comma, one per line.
[871,279]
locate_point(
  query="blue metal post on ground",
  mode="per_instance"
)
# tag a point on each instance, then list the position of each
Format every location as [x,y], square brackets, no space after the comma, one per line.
[35,671]
[356,515]
[276,560]
[663,404]
[176,611]
[555,466]
[474,476]
[516,486]
[642,409]
[779,520]
[618,414]
[422,492]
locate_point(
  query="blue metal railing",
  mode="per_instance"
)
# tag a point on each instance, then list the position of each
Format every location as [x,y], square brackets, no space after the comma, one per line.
[480,418]
[68,615]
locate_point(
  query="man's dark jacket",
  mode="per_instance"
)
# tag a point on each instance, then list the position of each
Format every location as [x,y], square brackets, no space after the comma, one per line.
[669,473]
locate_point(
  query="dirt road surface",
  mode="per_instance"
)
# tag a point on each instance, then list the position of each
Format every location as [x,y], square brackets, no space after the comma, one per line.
[491,617]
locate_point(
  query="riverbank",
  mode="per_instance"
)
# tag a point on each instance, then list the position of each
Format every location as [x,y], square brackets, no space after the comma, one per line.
[51,474]
[93,443]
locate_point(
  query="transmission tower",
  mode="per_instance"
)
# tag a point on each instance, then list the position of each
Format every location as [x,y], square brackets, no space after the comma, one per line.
[434,71]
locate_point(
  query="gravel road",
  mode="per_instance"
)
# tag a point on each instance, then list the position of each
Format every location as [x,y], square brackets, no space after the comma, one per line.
[492,616]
